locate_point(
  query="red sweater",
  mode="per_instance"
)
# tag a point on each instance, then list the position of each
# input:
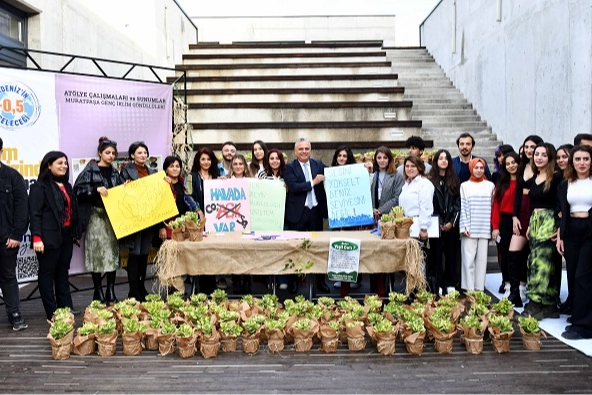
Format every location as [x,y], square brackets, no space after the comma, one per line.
[506,206]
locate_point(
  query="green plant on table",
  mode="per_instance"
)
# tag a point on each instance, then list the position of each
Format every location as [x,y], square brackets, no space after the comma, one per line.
[424,296]
[443,324]
[471,321]
[395,309]
[129,311]
[175,302]
[153,298]
[268,302]
[97,305]
[333,325]
[374,318]
[59,329]
[227,316]
[353,324]
[326,301]
[274,324]
[398,210]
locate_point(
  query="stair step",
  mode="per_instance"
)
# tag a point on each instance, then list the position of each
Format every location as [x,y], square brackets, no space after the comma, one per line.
[345,69]
[213,134]
[297,84]
[322,96]
[313,114]
[272,60]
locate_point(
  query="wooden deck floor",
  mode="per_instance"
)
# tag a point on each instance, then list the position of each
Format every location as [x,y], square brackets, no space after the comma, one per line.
[26,367]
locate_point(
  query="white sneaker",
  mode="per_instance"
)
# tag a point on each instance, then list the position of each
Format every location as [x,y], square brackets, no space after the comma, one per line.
[283,286]
[507,290]
[337,284]
[523,293]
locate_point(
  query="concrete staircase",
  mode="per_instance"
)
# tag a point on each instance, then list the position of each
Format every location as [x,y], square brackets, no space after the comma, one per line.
[357,93]
[442,108]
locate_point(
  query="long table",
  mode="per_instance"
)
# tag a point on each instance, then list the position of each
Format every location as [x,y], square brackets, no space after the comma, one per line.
[230,253]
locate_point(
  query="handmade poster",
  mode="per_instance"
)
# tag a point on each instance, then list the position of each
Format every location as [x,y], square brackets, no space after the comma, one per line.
[140,204]
[226,204]
[348,196]
[344,259]
[268,203]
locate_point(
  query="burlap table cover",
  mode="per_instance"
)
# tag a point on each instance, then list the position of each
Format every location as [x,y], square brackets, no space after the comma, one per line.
[231,254]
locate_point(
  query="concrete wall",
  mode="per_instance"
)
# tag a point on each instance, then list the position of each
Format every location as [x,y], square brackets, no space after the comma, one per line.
[154,32]
[297,28]
[528,73]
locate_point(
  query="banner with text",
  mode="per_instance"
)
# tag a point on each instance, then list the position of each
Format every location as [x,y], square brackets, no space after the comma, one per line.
[348,196]
[268,203]
[41,111]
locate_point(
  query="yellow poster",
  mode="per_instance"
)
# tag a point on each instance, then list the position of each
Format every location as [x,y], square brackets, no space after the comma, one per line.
[140,204]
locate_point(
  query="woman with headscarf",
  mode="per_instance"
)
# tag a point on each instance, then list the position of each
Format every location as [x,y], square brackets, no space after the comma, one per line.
[475,226]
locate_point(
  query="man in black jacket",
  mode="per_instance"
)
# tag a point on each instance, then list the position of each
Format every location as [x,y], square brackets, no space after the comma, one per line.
[14,219]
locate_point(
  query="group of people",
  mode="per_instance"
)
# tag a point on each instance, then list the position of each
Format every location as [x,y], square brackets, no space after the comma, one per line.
[535,206]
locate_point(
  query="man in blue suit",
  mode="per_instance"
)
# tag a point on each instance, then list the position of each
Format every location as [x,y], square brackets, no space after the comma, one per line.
[466,143]
[306,202]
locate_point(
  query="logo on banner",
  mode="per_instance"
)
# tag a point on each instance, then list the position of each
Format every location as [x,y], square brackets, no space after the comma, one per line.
[19,106]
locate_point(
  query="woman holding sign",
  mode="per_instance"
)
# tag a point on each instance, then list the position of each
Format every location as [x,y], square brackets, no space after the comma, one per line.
[239,168]
[101,249]
[54,227]
[273,167]
[138,243]
[385,189]
[259,155]
[205,167]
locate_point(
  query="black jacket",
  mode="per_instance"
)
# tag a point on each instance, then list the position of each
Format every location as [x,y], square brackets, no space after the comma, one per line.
[446,205]
[129,171]
[85,189]
[46,217]
[14,211]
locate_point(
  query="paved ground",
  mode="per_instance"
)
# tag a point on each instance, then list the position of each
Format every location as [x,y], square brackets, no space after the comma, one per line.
[26,367]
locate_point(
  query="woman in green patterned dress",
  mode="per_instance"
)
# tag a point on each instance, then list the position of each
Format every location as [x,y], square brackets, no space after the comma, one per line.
[101,251]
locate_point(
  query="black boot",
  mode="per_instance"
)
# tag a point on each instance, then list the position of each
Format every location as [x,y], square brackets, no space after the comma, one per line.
[110,294]
[142,269]
[133,276]
[514,263]
[98,294]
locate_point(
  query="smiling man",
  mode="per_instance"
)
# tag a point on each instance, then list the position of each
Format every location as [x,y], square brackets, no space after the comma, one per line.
[228,152]
[466,143]
[306,202]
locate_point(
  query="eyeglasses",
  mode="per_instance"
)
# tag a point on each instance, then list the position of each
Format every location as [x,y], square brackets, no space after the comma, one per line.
[109,142]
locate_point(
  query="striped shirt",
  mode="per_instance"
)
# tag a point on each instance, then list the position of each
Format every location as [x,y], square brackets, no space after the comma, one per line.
[475,208]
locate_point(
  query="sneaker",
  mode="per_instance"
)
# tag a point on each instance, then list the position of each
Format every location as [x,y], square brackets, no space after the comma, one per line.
[354,285]
[221,283]
[337,284]
[523,293]
[17,322]
[283,286]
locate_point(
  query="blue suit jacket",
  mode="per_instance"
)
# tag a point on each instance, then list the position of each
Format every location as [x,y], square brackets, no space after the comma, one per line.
[298,188]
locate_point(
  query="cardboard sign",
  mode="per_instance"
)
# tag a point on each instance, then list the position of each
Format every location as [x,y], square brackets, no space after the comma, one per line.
[344,259]
[268,203]
[227,206]
[140,204]
[348,196]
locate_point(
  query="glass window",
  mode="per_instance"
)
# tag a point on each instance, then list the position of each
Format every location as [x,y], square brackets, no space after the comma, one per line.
[12,26]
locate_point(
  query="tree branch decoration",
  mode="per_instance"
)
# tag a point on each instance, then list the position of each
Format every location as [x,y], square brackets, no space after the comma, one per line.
[297,265]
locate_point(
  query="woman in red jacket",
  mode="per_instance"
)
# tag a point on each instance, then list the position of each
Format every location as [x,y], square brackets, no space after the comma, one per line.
[501,213]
